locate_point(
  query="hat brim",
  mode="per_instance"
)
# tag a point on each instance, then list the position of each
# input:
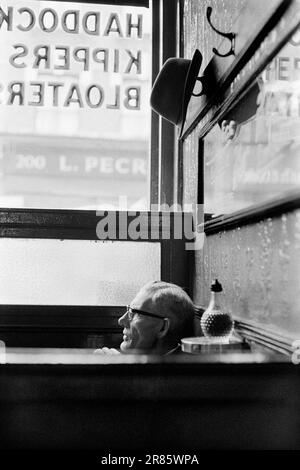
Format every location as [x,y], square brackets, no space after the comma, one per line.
[246,109]
[189,85]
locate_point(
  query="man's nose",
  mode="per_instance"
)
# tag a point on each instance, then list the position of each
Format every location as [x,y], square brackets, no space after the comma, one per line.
[123,320]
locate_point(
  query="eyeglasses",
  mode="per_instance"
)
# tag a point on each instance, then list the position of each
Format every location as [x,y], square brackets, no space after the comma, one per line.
[132,311]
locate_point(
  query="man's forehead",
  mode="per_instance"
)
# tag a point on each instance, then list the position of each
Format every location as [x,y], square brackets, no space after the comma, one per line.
[142,300]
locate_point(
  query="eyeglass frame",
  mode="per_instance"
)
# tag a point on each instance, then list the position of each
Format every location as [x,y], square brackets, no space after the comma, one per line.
[131,310]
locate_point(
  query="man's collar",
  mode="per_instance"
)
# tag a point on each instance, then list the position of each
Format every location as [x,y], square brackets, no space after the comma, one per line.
[173,350]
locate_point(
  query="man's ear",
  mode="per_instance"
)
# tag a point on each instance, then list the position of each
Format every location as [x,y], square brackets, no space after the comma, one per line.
[164,329]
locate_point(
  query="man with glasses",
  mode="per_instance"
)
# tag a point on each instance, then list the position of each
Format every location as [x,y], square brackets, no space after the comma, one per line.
[158,317]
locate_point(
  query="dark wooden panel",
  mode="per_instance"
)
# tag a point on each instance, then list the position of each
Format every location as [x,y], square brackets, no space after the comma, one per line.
[178,190]
[105,407]
[82,225]
[175,263]
[60,326]
[154,161]
[83,317]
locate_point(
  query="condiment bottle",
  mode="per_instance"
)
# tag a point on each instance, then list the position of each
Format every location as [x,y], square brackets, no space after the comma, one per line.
[215,323]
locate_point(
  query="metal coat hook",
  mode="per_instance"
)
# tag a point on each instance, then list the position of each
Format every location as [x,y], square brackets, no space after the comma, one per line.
[202,81]
[230,36]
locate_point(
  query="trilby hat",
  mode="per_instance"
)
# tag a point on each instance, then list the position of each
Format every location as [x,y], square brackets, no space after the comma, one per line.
[173,88]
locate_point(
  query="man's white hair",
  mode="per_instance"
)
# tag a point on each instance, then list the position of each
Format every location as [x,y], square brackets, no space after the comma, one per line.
[172,301]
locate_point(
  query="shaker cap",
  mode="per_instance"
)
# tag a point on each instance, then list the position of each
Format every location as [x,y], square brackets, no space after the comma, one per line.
[216,286]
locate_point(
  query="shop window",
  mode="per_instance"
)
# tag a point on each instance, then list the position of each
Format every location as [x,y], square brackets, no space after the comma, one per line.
[74,105]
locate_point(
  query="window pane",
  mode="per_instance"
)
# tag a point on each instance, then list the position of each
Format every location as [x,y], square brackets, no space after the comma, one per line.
[74,105]
[253,154]
[75,272]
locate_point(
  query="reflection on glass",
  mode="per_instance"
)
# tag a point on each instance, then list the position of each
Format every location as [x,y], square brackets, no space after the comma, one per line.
[74,113]
[253,154]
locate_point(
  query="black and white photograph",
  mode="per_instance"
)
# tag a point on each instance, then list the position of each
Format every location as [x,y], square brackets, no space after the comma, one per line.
[149,230]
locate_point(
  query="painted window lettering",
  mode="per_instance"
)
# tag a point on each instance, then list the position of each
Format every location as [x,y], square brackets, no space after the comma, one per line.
[71,21]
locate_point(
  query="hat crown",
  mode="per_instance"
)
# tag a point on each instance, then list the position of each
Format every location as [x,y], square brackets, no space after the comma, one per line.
[173,88]
[168,89]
